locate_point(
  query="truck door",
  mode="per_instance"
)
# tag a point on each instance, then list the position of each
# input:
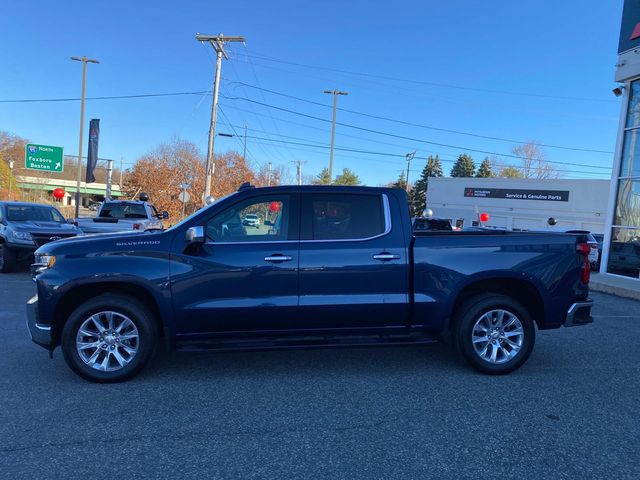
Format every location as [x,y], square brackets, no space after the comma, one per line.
[245,276]
[353,262]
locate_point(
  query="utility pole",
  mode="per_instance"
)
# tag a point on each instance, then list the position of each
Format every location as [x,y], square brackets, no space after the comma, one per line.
[298,164]
[335,94]
[269,174]
[84,61]
[409,157]
[244,153]
[217,42]
[120,173]
[107,194]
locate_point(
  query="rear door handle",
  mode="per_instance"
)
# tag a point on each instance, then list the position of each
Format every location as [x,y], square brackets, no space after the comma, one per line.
[278,258]
[386,256]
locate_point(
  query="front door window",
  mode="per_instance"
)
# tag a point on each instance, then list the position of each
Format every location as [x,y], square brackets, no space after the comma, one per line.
[261,219]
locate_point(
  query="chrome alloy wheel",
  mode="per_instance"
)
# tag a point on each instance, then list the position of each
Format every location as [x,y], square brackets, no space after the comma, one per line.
[107,341]
[497,336]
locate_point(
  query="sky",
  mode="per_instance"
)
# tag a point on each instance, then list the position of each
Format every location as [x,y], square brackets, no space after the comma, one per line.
[427,76]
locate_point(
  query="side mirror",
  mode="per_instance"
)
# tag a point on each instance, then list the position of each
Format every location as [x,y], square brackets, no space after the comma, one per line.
[164,215]
[195,235]
[71,221]
[268,222]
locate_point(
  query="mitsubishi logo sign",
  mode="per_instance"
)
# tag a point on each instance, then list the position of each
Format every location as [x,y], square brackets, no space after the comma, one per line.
[630,27]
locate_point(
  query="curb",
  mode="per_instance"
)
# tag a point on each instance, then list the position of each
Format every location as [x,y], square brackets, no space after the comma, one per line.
[615,290]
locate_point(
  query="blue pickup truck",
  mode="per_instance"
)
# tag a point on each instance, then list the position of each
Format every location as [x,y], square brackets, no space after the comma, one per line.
[326,266]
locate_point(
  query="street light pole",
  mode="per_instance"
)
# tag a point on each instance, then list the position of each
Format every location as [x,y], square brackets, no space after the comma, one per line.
[335,94]
[409,157]
[10,179]
[84,61]
[217,42]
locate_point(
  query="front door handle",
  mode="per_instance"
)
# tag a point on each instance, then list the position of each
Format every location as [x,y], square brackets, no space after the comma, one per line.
[386,256]
[278,258]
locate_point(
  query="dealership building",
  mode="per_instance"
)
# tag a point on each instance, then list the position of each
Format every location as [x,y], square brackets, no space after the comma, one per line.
[621,255]
[608,207]
[521,204]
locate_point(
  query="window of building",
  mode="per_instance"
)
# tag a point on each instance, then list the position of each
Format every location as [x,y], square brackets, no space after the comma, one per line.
[624,250]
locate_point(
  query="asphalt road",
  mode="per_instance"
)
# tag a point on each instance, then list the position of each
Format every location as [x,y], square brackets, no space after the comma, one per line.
[573,411]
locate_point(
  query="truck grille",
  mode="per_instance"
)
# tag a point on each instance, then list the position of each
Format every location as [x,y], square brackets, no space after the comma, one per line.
[41,239]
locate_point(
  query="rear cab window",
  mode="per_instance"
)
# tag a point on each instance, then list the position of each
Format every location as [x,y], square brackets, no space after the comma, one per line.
[122,210]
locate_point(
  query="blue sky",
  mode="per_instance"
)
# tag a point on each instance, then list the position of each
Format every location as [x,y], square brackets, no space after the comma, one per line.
[451,55]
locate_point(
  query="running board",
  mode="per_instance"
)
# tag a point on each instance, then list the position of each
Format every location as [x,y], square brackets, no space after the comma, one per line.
[312,341]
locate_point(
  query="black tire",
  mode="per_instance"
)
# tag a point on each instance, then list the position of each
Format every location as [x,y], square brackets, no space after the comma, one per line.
[472,311]
[8,258]
[136,312]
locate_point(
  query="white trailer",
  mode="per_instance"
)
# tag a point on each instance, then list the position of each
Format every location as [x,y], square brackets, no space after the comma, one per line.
[521,204]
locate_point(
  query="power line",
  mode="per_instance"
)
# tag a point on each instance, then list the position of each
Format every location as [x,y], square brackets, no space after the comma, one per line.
[236,135]
[412,139]
[396,155]
[433,84]
[255,75]
[270,152]
[355,112]
[412,124]
[109,97]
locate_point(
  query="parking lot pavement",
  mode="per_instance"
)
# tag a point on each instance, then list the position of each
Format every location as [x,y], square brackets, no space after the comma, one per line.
[407,412]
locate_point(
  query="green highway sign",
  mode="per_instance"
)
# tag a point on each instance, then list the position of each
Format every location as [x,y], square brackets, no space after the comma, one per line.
[43,157]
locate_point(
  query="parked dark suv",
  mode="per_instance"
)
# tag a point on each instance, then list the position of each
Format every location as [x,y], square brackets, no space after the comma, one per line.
[26,226]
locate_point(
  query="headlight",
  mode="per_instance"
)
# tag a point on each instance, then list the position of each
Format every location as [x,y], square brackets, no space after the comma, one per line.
[44,261]
[22,236]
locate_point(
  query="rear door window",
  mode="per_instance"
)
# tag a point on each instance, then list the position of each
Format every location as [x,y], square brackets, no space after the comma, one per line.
[344,216]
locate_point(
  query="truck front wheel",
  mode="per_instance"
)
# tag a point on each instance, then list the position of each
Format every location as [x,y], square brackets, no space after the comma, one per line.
[109,338]
[494,333]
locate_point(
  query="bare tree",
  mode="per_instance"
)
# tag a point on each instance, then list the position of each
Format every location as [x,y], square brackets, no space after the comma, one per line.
[534,162]
[510,172]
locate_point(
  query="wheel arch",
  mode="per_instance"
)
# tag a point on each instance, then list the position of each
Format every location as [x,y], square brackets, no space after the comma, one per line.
[520,289]
[76,296]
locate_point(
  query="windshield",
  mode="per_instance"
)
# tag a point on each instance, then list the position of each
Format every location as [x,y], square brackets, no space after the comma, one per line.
[198,212]
[33,213]
[123,210]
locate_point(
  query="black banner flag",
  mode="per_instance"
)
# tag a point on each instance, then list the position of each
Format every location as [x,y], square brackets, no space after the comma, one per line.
[92,155]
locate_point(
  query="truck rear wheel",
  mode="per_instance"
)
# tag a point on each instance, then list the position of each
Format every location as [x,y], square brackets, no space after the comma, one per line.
[109,338]
[494,333]
[7,258]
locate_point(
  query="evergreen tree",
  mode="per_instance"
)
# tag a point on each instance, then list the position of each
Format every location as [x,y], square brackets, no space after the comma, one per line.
[347,177]
[323,178]
[485,169]
[464,166]
[418,194]
[401,182]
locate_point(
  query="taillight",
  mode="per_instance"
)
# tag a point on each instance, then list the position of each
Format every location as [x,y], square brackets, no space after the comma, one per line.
[136,226]
[584,248]
[585,272]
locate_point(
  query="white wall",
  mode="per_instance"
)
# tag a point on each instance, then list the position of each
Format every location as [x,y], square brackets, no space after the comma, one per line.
[585,209]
